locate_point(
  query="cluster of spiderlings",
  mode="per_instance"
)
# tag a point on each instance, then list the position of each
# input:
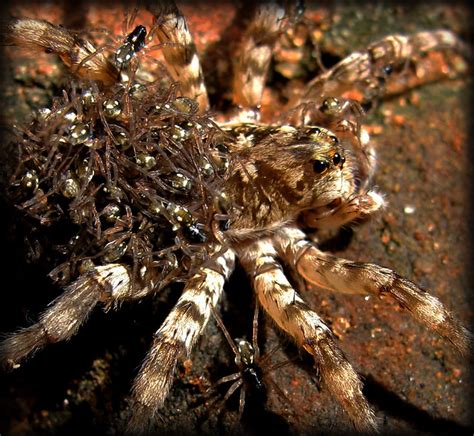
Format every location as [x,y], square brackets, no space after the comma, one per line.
[131,175]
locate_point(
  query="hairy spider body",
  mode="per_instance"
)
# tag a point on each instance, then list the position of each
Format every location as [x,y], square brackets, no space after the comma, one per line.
[153,190]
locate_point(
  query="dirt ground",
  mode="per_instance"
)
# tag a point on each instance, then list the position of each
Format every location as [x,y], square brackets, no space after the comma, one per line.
[416,382]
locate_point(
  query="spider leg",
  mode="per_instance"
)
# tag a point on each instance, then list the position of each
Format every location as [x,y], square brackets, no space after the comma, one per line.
[236,385]
[221,324]
[283,397]
[253,58]
[78,54]
[263,360]
[334,273]
[367,71]
[276,366]
[179,51]
[255,331]
[241,400]
[227,378]
[176,337]
[291,314]
[231,390]
[109,284]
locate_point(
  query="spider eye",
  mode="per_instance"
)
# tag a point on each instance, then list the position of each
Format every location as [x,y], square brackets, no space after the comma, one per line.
[320,166]
[330,105]
[388,69]
[336,159]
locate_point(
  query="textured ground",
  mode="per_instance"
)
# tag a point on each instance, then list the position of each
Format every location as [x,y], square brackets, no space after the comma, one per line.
[415,381]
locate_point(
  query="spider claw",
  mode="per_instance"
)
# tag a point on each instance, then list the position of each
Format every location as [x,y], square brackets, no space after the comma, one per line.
[19,345]
[340,378]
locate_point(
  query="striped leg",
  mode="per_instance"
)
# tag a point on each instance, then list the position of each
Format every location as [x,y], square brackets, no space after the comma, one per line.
[292,315]
[179,51]
[176,338]
[331,272]
[367,71]
[253,58]
[108,284]
[77,54]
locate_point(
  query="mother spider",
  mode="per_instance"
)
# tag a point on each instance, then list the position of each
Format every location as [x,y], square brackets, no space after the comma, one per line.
[268,184]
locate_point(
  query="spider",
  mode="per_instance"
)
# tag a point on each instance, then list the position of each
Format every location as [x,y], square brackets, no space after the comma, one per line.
[252,366]
[268,185]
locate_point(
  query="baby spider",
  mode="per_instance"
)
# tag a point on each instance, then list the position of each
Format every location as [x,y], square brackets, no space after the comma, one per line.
[133,43]
[254,370]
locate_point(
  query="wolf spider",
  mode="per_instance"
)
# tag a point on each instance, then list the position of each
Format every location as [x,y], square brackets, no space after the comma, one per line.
[278,185]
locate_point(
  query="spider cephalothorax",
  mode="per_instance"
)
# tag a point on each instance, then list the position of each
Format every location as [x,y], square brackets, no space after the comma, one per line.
[281,172]
[130,184]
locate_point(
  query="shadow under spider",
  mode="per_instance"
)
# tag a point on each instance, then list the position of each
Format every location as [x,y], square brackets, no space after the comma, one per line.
[393,405]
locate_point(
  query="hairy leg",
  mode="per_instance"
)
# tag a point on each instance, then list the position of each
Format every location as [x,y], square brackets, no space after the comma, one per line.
[341,275]
[367,71]
[291,314]
[108,284]
[253,58]
[78,54]
[176,338]
[179,51]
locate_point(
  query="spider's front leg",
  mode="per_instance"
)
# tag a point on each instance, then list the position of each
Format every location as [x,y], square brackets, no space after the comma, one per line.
[367,71]
[291,314]
[336,274]
[108,284]
[176,338]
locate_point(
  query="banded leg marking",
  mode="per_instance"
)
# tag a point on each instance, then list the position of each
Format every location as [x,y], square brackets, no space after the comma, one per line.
[369,69]
[342,275]
[176,338]
[253,60]
[109,284]
[292,315]
[180,52]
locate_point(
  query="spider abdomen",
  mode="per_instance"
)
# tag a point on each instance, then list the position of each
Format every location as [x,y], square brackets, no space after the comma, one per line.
[253,377]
